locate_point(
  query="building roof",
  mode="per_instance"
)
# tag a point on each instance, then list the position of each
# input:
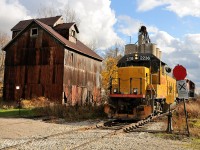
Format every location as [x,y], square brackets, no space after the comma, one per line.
[66,26]
[78,46]
[48,21]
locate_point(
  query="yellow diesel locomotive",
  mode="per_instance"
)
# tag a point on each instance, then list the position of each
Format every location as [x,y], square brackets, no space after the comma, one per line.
[143,85]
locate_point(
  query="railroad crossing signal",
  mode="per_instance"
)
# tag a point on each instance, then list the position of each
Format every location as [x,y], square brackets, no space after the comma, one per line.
[179,72]
[182,89]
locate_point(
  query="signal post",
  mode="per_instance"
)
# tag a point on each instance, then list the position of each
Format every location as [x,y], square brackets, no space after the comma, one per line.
[180,73]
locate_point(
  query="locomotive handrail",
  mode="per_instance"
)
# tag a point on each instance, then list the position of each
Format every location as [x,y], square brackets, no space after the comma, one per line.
[129,79]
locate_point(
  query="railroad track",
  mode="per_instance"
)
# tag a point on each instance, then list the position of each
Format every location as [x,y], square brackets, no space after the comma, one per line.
[121,125]
[134,126]
[118,126]
[128,126]
[115,124]
[95,139]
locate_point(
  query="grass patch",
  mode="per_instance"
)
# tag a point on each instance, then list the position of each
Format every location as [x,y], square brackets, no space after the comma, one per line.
[196,143]
[193,143]
[171,136]
[16,113]
[176,136]
[195,123]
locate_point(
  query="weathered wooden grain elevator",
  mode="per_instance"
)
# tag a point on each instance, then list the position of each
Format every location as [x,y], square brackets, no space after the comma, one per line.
[45,58]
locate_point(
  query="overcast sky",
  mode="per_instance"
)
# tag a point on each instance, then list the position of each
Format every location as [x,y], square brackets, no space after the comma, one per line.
[174,25]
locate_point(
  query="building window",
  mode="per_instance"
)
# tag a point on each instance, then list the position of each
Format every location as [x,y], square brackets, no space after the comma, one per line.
[65,98]
[73,33]
[72,57]
[34,31]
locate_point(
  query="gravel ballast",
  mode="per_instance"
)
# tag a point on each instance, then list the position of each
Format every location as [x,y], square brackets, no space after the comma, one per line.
[36,134]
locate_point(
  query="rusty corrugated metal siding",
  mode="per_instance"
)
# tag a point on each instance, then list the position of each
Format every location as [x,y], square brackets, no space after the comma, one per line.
[36,65]
[81,79]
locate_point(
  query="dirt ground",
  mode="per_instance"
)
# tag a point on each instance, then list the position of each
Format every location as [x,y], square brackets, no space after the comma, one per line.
[19,133]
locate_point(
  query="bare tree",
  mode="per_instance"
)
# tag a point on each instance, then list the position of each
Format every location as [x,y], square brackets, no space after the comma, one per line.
[69,15]
[4,38]
[93,45]
[45,12]
[115,51]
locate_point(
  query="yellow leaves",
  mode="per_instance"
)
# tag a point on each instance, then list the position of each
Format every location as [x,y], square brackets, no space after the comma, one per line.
[109,70]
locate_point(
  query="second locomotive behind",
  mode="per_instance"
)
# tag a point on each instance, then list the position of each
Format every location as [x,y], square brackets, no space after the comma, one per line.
[143,84]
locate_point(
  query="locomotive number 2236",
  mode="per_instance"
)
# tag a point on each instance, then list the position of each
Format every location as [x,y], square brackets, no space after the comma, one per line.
[138,58]
[145,58]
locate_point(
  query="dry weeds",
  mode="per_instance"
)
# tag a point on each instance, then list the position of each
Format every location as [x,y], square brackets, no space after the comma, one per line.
[193,111]
[35,102]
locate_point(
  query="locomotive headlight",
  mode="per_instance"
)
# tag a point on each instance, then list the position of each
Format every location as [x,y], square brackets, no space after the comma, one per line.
[115,90]
[135,90]
[136,56]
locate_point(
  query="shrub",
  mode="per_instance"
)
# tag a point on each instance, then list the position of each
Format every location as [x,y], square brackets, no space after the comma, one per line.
[35,102]
[41,106]
[72,113]
[192,107]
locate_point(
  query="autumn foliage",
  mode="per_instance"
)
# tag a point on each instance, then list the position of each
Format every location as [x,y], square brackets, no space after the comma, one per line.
[110,70]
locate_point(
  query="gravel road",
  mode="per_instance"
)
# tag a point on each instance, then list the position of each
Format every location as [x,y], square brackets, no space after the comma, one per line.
[25,134]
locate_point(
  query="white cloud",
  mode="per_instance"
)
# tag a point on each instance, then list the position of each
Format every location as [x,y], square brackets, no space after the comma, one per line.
[128,25]
[193,40]
[11,11]
[184,51]
[184,7]
[97,21]
[145,5]
[180,7]
[166,42]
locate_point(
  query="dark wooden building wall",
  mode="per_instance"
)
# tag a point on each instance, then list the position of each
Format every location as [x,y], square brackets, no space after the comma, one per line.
[81,79]
[36,65]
